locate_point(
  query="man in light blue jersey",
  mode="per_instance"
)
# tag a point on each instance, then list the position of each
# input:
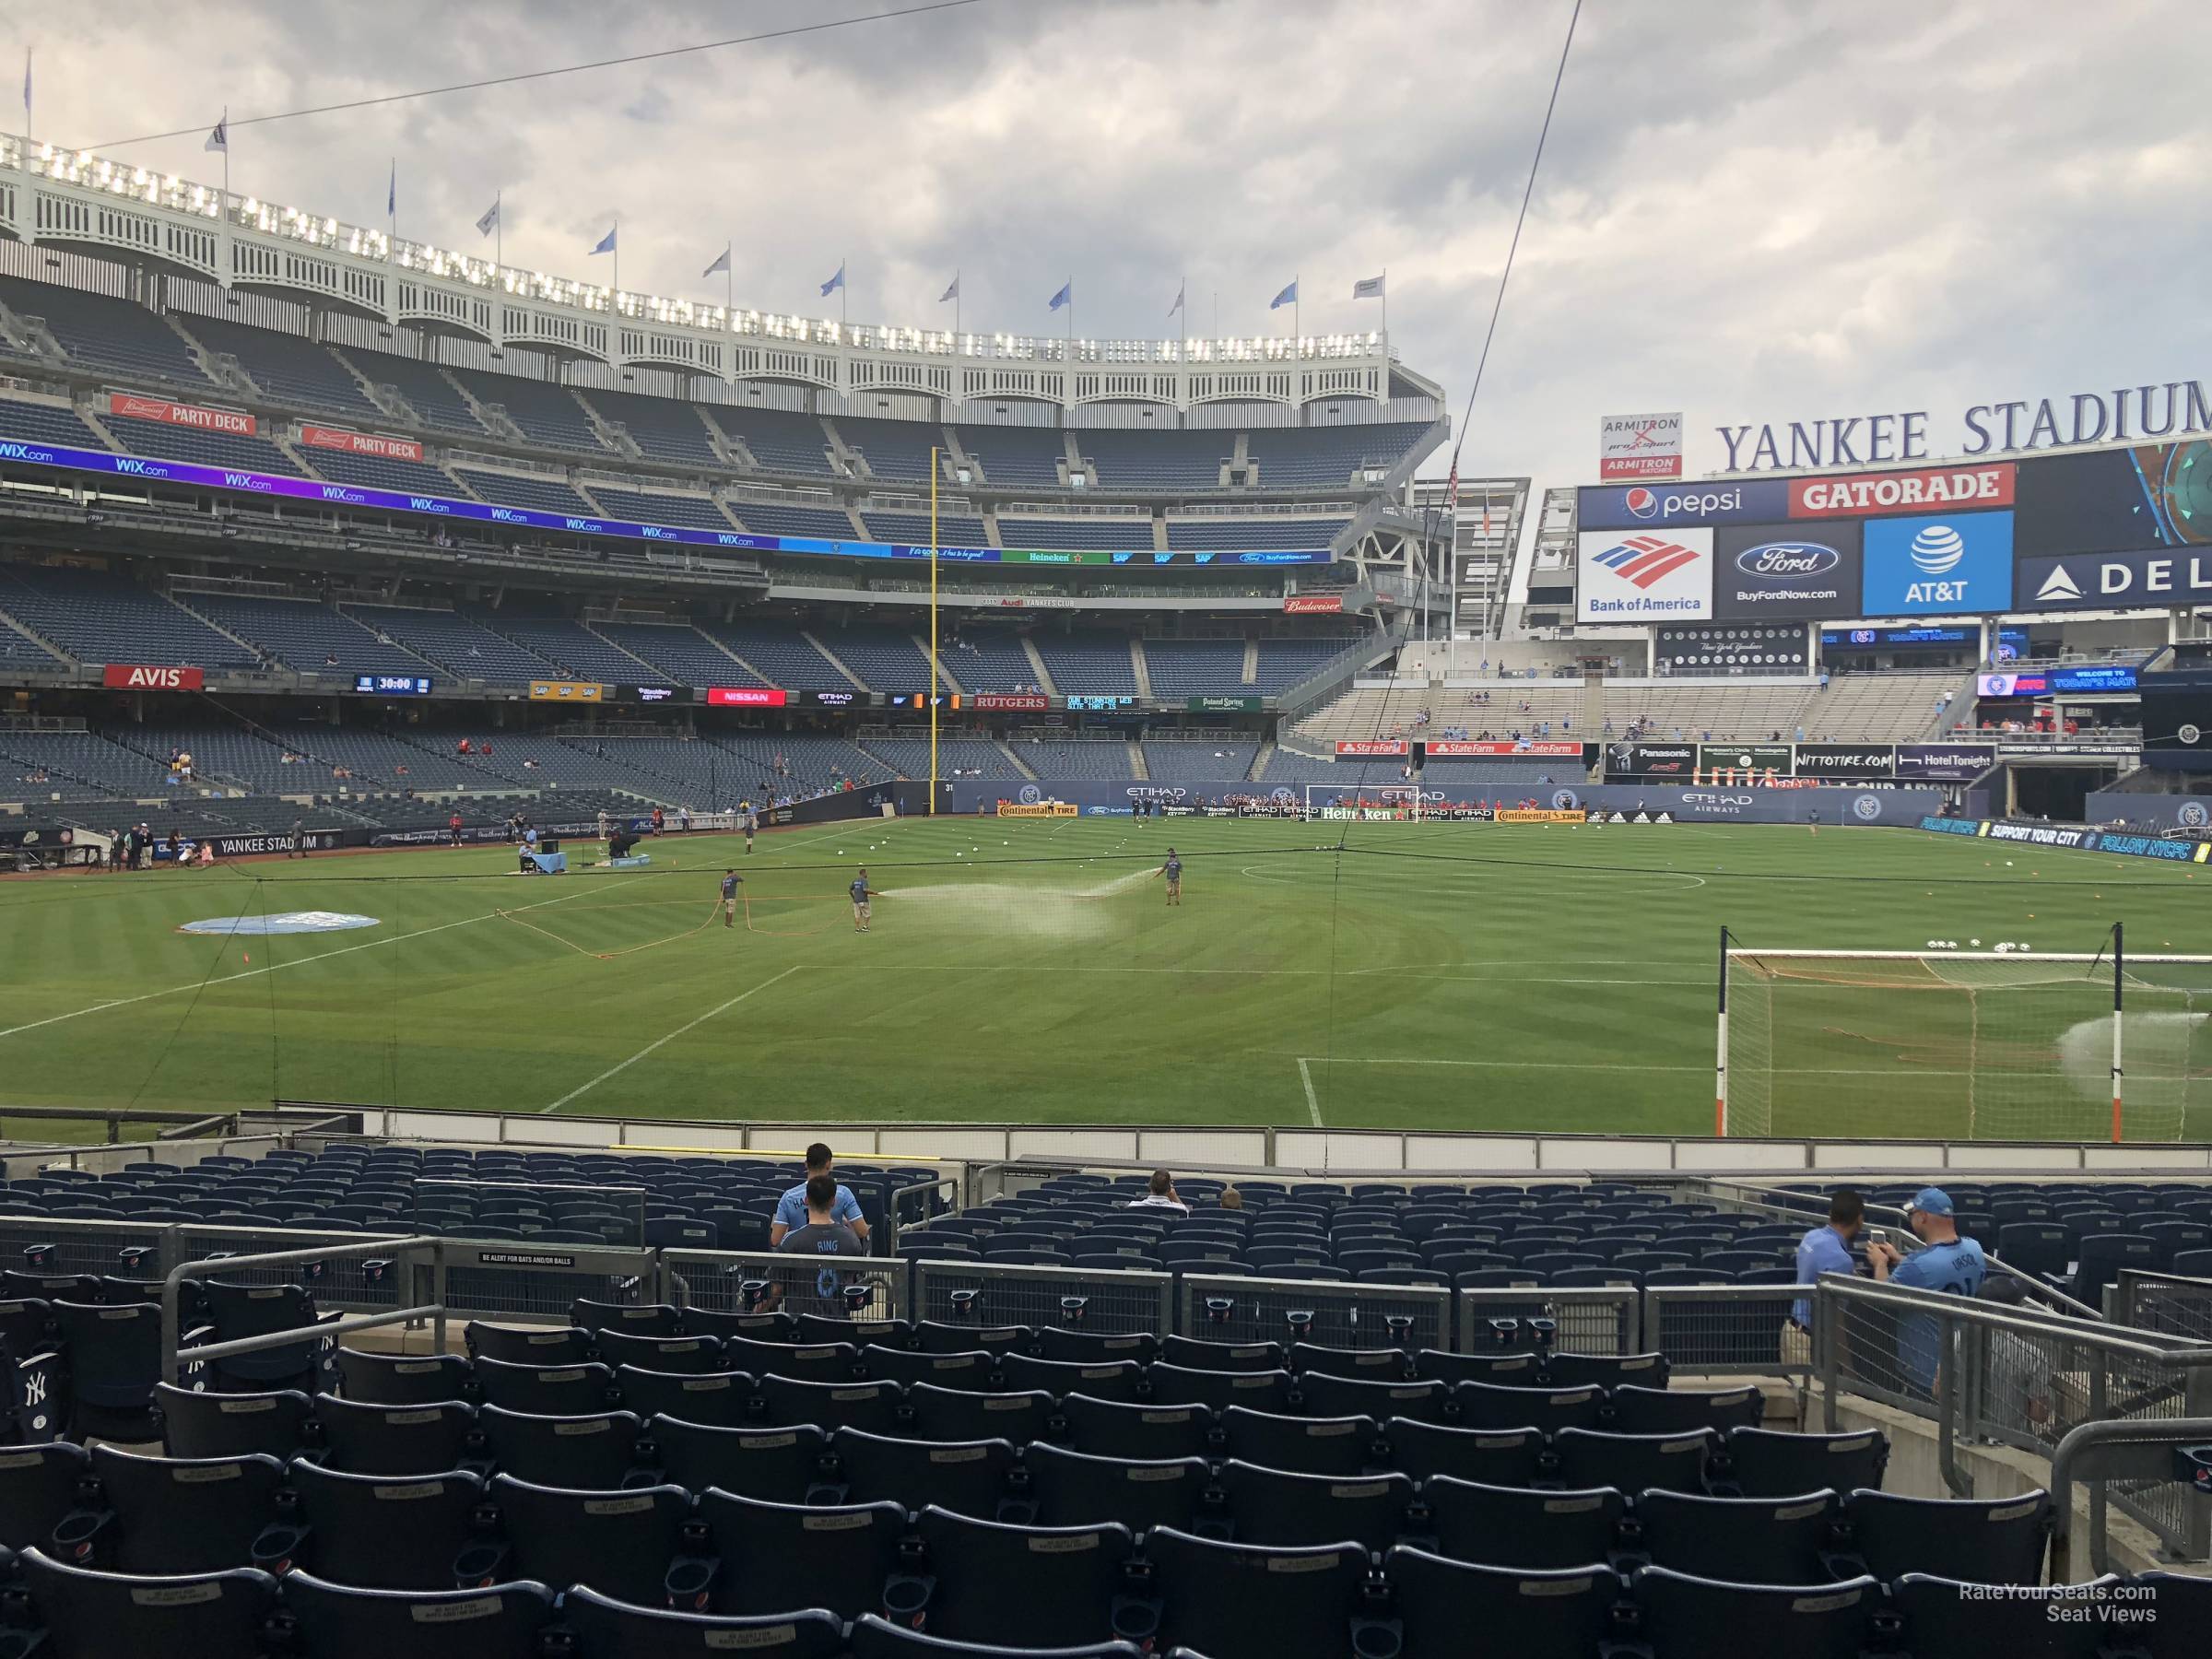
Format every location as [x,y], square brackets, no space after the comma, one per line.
[1946,1263]
[790,1209]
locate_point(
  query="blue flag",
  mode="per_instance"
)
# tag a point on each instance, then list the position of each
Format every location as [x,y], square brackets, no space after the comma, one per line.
[835,282]
[490,222]
[1065,297]
[606,242]
[392,190]
[220,138]
[1288,297]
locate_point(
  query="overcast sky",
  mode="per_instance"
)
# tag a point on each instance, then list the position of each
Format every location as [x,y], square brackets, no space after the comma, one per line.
[1749,210]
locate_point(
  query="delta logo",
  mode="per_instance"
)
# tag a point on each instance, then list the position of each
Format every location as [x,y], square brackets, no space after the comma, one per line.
[1646,561]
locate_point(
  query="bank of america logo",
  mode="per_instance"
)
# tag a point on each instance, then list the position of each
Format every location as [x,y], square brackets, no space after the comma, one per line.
[2058,585]
[1646,560]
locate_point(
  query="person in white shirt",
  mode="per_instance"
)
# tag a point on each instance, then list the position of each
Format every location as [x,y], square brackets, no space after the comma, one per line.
[1160,1195]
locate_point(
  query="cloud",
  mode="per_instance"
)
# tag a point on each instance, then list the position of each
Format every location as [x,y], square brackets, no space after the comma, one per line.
[1749,209]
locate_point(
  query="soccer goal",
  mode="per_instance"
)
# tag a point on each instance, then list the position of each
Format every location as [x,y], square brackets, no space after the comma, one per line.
[2006,1044]
[1381,802]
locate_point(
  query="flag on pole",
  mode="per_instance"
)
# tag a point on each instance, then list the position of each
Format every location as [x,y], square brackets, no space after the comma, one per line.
[1178,305]
[952,290]
[835,282]
[1368,288]
[1065,297]
[606,242]
[219,139]
[392,190]
[1288,297]
[27,51]
[1452,486]
[721,263]
[490,222]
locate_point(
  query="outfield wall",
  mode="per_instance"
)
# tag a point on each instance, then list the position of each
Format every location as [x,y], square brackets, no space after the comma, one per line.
[1332,1151]
[1112,798]
[2192,812]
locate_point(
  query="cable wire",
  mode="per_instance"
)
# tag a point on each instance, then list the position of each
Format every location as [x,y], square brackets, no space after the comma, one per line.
[796,29]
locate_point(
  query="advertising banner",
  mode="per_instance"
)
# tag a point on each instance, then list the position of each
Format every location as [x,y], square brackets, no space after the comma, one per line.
[1639,506]
[361,443]
[1720,804]
[1759,760]
[177,414]
[1790,572]
[144,676]
[1450,748]
[1944,762]
[1938,564]
[1223,705]
[1313,603]
[746,697]
[2145,495]
[1521,815]
[1027,701]
[1951,488]
[1650,761]
[2189,813]
[1640,446]
[2043,835]
[1369,746]
[1846,761]
[2114,581]
[1644,576]
[1039,809]
[565,691]
[2080,679]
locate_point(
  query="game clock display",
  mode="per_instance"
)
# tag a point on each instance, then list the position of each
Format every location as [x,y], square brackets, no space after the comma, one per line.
[1094,704]
[393,685]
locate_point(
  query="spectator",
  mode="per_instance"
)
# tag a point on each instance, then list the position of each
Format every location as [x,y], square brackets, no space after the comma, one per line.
[1826,1249]
[1946,1263]
[1232,1199]
[1160,1193]
[790,1209]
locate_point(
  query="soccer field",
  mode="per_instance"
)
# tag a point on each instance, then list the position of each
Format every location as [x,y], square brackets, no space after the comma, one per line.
[1362,976]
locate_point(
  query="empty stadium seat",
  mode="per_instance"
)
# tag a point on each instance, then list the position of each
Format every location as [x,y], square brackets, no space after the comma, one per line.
[401,1379]
[1770,1464]
[1514,1527]
[1273,1507]
[835,1557]
[91,1615]
[620,1543]
[776,1465]
[385,1532]
[333,1621]
[215,1424]
[1441,1603]
[1975,1540]
[1687,1617]
[1019,1587]
[966,1477]
[1073,1488]
[1752,1540]
[1238,1601]
[1119,1429]
[397,1440]
[603,1628]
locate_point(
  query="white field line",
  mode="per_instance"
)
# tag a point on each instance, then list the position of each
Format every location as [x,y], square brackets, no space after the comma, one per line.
[622,1066]
[124,1001]
[1312,1104]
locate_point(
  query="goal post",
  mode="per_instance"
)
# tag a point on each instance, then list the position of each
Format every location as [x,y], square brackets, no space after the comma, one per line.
[2008,1043]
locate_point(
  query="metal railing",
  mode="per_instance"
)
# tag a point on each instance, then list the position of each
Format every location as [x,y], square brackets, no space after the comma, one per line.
[1991,1375]
[2166,1304]
[172,1289]
[721,1281]
[1585,1320]
[1225,1309]
[1727,1330]
[2143,1455]
[1109,1302]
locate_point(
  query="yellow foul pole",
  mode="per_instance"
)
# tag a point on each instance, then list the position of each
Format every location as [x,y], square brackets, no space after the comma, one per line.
[933,630]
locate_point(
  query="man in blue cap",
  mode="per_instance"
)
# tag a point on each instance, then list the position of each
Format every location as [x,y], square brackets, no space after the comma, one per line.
[1947,1264]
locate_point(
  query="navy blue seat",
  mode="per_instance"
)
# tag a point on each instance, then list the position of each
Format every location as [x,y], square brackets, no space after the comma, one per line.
[1235,1601]
[620,1543]
[383,1531]
[91,1615]
[333,1621]
[1976,1540]
[1517,1526]
[837,1557]
[1073,1488]
[1687,1617]
[603,1628]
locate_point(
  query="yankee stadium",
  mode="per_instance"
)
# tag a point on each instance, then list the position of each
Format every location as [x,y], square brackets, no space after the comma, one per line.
[852,914]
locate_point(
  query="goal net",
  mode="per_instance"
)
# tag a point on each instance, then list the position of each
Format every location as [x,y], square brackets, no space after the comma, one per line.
[1377,802]
[1958,1044]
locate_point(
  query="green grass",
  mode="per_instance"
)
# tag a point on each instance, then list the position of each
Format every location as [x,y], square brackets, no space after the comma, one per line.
[1435,976]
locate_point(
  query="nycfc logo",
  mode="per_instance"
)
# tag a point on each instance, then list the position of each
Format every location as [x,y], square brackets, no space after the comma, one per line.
[1564,800]
[2190,735]
[1866,808]
[1282,794]
[1030,795]
[2192,816]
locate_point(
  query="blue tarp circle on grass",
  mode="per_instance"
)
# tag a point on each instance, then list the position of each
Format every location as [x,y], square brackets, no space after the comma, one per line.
[281,921]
